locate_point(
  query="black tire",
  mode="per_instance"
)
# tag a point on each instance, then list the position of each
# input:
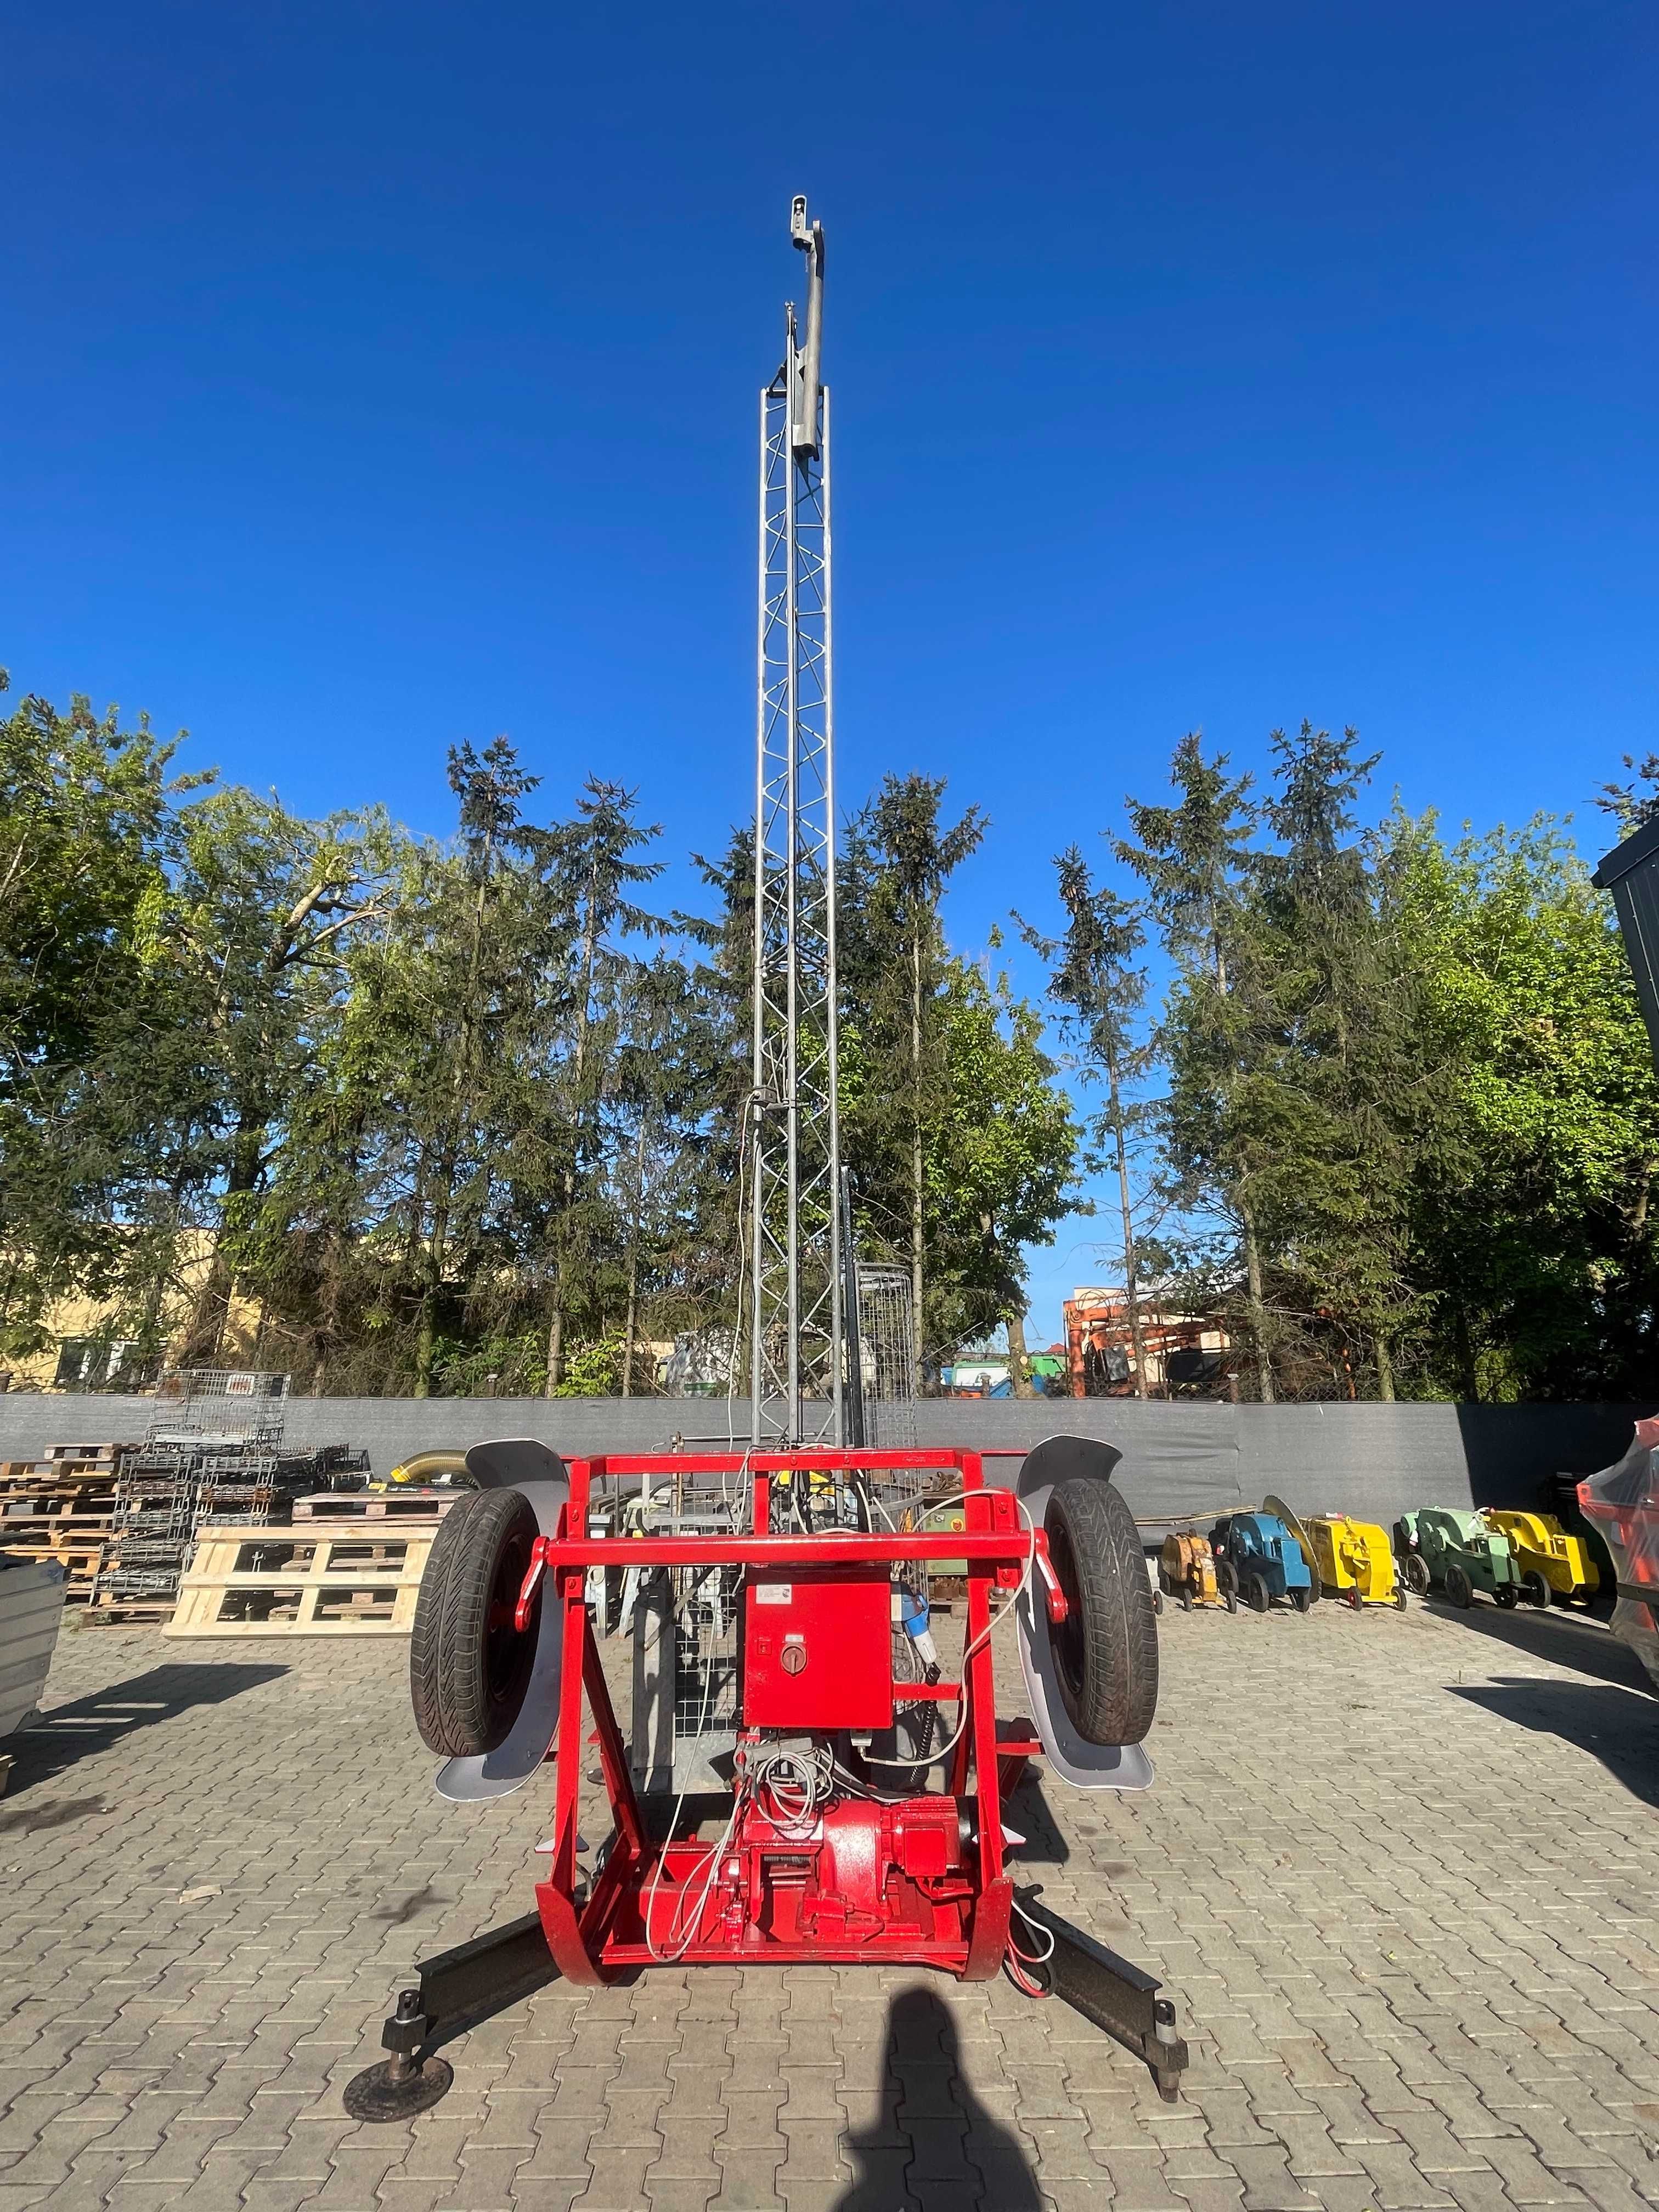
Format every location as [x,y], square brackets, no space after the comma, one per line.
[1106,1649]
[1226,1578]
[1534,1588]
[1258,1593]
[1459,1589]
[1399,1597]
[1352,1595]
[1229,1599]
[1302,1600]
[1185,1594]
[1417,1573]
[1505,1595]
[468,1666]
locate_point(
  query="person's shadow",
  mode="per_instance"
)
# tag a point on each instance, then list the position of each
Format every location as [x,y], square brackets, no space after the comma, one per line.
[933,2136]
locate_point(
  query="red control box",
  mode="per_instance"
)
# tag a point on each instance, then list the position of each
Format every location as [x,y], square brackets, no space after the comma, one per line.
[817,1648]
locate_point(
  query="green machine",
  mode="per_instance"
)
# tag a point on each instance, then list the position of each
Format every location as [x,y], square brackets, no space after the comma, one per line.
[1459,1553]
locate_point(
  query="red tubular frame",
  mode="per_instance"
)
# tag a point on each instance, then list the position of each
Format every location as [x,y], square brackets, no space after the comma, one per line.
[595,1939]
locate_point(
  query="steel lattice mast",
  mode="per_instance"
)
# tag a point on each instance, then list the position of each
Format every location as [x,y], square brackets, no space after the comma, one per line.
[796,1361]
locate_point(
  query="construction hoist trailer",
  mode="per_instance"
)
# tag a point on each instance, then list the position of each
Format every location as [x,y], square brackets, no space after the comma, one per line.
[831,1851]
[859,1792]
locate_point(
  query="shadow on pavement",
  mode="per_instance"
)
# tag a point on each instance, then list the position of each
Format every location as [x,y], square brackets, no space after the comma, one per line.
[1610,1722]
[68,1734]
[927,2101]
[1029,1814]
[1581,1641]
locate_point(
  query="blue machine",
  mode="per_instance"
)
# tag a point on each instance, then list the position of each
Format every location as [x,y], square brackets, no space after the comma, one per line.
[1258,1559]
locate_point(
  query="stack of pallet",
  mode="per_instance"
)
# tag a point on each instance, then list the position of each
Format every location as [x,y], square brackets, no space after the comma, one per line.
[62,1506]
[347,1565]
[169,1489]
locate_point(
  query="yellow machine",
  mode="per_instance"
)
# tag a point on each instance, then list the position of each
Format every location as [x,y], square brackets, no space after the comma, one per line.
[1552,1563]
[1356,1560]
[1352,1559]
[1186,1570]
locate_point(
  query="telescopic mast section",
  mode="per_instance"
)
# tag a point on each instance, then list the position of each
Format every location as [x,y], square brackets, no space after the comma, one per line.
[796,1359]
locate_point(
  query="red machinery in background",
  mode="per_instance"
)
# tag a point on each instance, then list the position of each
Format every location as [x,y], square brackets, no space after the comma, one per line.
[831,1851]
[1621,1503]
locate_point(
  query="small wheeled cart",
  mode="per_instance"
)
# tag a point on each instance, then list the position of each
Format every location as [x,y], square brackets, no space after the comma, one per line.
[1553,1562]
[1187,1570]
[1257,1560]
[1442,1547]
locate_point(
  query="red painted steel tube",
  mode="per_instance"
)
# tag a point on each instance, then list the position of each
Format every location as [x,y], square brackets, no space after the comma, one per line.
[995,1549]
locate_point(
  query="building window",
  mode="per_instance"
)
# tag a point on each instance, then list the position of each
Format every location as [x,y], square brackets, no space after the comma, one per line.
[92,1362]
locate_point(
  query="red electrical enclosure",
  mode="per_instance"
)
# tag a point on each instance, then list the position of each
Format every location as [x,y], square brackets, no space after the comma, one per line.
[818,1649]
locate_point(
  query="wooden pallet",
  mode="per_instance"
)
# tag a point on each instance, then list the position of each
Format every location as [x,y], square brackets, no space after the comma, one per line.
[356,1584]
[53,1483]
[377,1506]
[53,1469]
[68,1521]
[79,1557]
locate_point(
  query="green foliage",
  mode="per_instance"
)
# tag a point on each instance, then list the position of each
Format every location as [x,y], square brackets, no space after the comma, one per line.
[89,1033]
[1541,1257]
[962,1154]
[593,1371]
[453,1116]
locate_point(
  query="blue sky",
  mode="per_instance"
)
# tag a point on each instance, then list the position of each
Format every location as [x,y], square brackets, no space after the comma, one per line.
[375,377]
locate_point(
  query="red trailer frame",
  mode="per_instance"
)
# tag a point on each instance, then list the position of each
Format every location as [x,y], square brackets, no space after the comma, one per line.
[902,1878]
[958,1921]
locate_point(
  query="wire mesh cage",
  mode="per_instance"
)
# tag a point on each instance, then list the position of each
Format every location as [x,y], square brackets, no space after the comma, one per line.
[887,1355]
[224,1403]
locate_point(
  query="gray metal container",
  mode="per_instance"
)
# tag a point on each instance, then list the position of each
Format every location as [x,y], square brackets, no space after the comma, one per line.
[31,1610]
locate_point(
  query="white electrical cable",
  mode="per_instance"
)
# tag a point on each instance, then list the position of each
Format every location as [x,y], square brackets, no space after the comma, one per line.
[1041,1958]
[941,1505]
[790,1785]
[682,1932]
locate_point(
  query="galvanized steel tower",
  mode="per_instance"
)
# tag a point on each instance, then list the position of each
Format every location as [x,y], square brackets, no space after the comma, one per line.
[796,1360]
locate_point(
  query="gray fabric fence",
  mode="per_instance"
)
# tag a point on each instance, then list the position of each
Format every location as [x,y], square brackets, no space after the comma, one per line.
[1192,1456]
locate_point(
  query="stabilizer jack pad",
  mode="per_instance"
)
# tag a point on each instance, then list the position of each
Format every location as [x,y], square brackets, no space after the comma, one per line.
[394,2090]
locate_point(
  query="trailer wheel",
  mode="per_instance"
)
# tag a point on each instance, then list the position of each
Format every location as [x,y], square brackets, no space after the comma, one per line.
[1459,1589]
[1260,1596]
[1535,1589]
[1417,1573]
[1106,1649]
[1505,1595]
[468,1666]
[1302,1600]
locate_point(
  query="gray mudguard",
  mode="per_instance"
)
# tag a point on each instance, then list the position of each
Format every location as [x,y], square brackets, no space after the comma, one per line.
[523,1464]
[1085,1765]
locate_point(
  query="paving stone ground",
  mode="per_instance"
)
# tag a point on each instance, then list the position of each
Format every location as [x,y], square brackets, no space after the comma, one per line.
[1400,1871]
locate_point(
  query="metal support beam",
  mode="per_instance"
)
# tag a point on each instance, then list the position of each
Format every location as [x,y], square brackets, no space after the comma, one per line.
[1117,1996]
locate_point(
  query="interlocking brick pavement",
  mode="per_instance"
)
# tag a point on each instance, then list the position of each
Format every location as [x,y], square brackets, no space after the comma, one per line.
[1400,1871]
